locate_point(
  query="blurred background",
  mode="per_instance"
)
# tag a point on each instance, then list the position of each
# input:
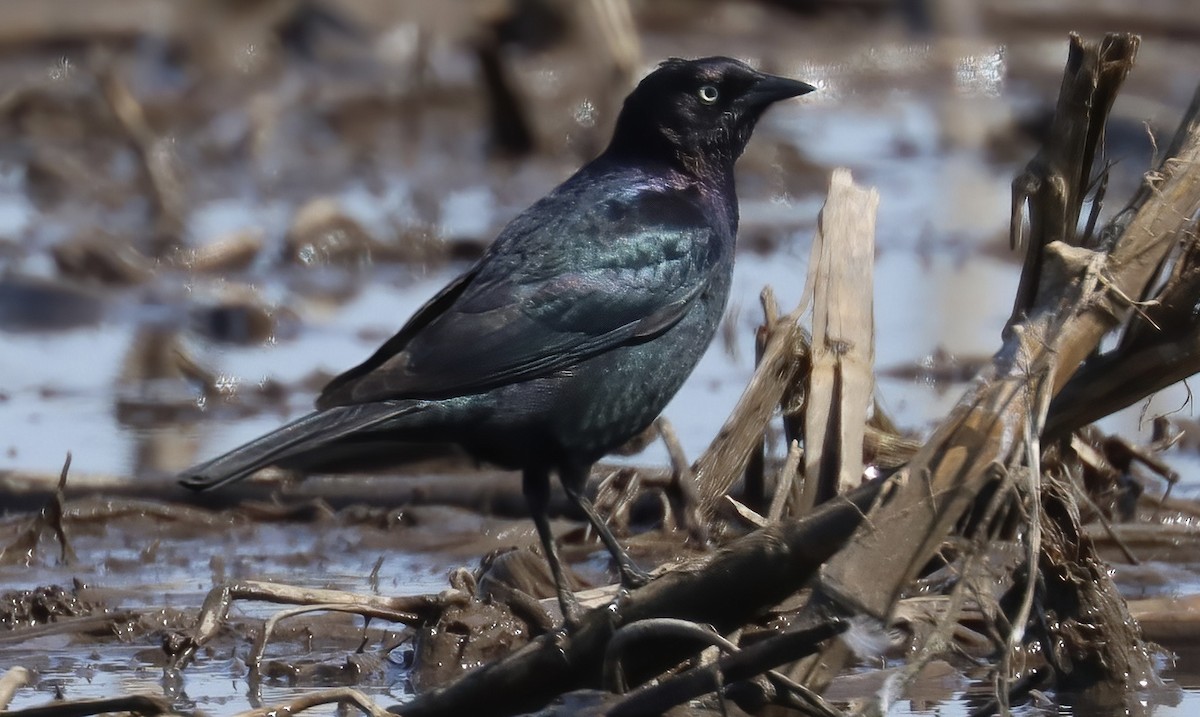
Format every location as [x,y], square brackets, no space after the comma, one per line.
[208,207]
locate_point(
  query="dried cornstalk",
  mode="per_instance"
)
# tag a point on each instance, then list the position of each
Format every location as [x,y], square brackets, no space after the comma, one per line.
[841,382]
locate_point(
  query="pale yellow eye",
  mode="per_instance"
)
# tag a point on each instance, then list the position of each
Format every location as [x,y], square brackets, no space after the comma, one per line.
[707,94]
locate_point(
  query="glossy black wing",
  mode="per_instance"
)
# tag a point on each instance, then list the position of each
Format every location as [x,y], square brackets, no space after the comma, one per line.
[338,390]
[561,284]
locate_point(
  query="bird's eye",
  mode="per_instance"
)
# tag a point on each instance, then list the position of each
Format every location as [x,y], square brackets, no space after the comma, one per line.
[707,94]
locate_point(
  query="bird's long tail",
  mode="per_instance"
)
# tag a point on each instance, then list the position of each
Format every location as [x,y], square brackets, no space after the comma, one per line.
[317,429]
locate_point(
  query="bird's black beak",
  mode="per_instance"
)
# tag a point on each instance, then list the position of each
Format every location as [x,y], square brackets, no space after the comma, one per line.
[771,89]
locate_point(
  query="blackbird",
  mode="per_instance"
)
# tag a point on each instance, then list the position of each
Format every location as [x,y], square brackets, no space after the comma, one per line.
[577,325]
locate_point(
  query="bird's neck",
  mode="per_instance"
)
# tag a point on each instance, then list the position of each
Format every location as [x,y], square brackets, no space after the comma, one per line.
[711,186]
[707,160]
[712,176]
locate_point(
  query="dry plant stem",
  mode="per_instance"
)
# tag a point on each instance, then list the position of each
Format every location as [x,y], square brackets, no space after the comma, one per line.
[1180,537]
[670,439]
[1161,503]
[807,701]
[1090,625]
[887,449]
[24,547]
[661,628]
[1148,455]
[623,498]
[166,189]
[938,642]
[55,517]
[754,484]
[135,704]
[12,680]
[1076,301]
[68,626]
[682,493]
[84,511]
[729,453]
[742,664]
[254,659]
[796,486]
[939,485]
[1081,496]
[999,704]
[609,493]
[1055,181]
[947,474]
[1033,542]
[841,380]
[1169,620]
[341,695]
[617,31]
[740,512]
[785,484]
[1033,536]
[1120,379]
[446,483]
[526,607]
[724,590]
[414,610]
[1159,347]
[1150,234]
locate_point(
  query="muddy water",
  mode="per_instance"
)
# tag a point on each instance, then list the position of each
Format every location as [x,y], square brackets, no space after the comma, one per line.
[939,138]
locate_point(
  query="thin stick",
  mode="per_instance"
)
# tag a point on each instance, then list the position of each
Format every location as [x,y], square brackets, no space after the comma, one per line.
[785,485]
[137,704]
[411,610]
[341,695]
[254,659]
[13,680]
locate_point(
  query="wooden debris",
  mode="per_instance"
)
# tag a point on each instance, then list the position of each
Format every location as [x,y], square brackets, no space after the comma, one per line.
[1070,299]
[11,681]
[737,583]
[754,483]
[166,187]
[1168,620]
[787,486]
[413,610]
[24,549]
[102,622]
[135,704]
[103,259]
[232,252]
[339,696]
[841,382]
[1159,347]
[729,453]
[739,664]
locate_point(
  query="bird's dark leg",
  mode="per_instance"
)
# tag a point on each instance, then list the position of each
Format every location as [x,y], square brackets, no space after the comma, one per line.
[573,480]
[536,486]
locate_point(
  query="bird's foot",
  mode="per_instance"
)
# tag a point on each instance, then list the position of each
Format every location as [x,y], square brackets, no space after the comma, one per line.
[572,612]
[631,575]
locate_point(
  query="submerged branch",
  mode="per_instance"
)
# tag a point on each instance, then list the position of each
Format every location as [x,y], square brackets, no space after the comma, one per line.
[736,584]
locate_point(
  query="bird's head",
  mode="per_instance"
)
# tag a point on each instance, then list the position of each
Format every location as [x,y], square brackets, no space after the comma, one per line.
[698,113]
